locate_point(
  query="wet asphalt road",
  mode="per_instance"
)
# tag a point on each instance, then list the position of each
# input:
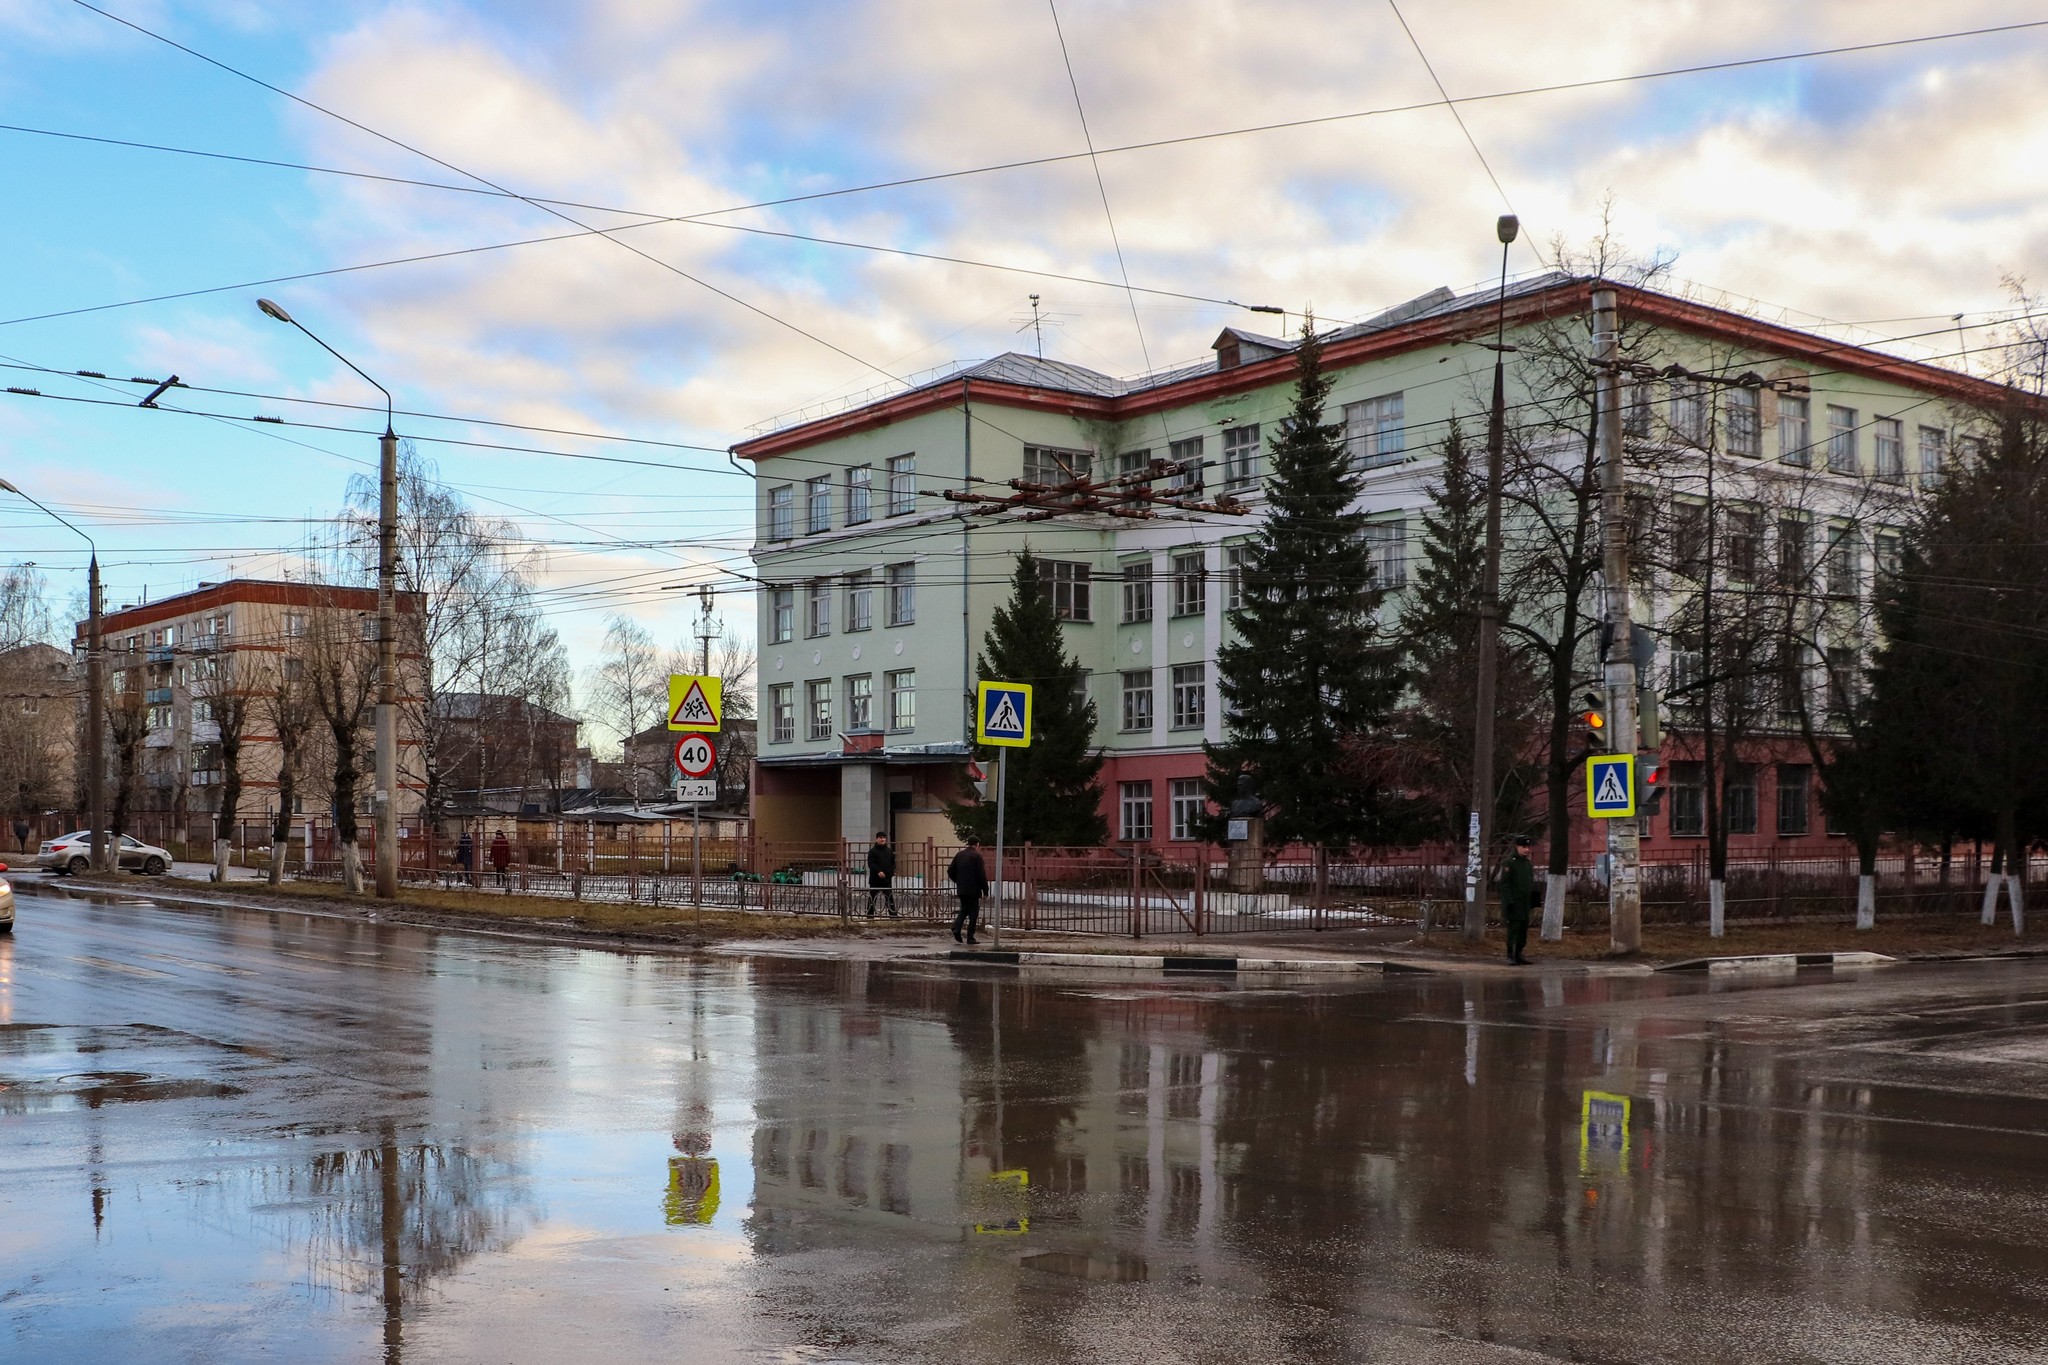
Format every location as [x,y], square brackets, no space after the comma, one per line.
[243,1135]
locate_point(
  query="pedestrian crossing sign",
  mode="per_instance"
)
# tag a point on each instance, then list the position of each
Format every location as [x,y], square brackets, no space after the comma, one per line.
[1002,714]
[1610,785]
[694,701]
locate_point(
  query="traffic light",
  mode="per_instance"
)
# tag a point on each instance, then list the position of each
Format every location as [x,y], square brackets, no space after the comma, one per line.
[1649,723]
[1593,716]
[1649,784]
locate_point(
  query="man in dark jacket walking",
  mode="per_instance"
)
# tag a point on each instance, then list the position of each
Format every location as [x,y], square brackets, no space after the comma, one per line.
[1518,898]
[969,876]
[881,874]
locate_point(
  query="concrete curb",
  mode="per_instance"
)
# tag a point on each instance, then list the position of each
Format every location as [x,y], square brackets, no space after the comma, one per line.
[1206,964]
[1778,962]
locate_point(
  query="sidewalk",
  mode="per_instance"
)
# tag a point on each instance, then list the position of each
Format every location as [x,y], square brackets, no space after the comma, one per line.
[1378,948]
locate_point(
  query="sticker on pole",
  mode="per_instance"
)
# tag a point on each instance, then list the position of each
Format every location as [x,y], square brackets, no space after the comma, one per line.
[1610,785]
[696,756]
[693,701]
[1002,714]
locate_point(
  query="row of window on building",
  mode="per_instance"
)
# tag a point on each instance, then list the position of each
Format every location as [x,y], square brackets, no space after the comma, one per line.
[1187,808]
[1070,584]
[1374,435]
[1187,698]
[1737,536]
[1689,417]
[1687,788]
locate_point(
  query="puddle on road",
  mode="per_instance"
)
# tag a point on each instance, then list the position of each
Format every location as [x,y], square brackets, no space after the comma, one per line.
[55,1068]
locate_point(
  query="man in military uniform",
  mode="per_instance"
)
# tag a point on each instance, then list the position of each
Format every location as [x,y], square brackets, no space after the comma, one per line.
[1518,898]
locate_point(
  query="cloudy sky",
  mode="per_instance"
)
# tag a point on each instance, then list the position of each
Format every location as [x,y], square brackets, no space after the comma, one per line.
[1889,189]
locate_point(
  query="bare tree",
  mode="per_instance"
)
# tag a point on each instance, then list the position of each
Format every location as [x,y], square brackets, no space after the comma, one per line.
[229,684]
[37,717]
[629,691]
[25,615]
[341,674]
[127,731]
[286,704]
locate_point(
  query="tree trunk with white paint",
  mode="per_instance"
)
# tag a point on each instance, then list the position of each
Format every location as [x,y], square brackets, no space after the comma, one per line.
[279,847]
[2015,890]
[1717,908]
[351,868]
[220,860]
[1991,885]
[1866,901]
[1553,905]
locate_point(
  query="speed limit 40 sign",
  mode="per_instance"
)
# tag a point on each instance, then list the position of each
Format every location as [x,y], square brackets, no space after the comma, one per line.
[696,756]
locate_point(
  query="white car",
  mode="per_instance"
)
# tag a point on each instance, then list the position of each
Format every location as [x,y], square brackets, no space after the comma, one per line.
[73,853]
[6,904]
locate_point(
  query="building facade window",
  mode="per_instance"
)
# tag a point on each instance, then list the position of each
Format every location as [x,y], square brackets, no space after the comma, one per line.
[902,585]
[1233,578]
[1844,674]
[903,699]
[1933,455]
[294,625]
[860,702]
[1134,811]
[1188,455]
[860,492]
[1794,566]
[1689,411]
[1067,583]
[818,708]
[818,505]
[1795,435]
[1190,696]
[1688,800]
[860,600]
[1190,584]
[1240,458]
[1132,462]
[1889,552]
[1638,405]
[1794,782]
[1842,457]
[782,512]
[781,615]
[902,485]
[1738,544]
[1844,562]
[1740,796]
[1190,805]
[1888,449]
[1388,543]
[1137,696]
[1053,467]
[1375,431]
[1137,592]
[782,713]
[818,608]
[1745,423]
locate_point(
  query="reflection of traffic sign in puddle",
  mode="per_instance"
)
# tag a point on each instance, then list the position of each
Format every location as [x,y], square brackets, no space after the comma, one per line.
[692,1196]
[1001,1204]
[1603,1129]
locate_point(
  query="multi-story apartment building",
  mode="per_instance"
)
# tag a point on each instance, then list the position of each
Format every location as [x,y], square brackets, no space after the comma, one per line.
[179,653]
[878,590]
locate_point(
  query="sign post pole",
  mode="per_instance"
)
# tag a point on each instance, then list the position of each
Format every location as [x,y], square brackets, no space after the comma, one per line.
[697,861]
[995,905]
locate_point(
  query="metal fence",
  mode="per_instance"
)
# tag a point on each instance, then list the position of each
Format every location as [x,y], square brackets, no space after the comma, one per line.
[1120,890]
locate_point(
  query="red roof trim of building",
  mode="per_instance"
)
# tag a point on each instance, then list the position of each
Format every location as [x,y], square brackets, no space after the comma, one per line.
[1571,295]
[269,592]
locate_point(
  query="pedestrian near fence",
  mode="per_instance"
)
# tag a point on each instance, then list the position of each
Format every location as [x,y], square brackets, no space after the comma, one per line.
[501,858]
[969,875]
[881,874]
[465,857]
[1518,899]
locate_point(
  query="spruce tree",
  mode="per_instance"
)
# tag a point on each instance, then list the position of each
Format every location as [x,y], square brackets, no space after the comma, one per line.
[1310,678]
[1054,796]
[1440,636]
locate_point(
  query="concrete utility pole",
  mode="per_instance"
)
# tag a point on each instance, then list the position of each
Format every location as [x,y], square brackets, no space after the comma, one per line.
[1624,835]
[385,799]
[96,693]
[1479,823]
[706,630]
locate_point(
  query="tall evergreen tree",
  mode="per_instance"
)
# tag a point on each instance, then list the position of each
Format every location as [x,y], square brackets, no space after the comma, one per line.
[1054,796]
[1440,634]
[1311,678]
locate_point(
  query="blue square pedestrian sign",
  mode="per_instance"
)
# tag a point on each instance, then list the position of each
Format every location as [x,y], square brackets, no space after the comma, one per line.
[1002,714]
[1610,785]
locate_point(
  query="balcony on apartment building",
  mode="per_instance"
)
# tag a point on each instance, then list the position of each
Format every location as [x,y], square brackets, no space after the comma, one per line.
[161,654]
[157,696]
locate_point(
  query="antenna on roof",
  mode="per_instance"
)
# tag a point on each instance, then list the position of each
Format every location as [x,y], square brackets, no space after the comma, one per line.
[1037,323]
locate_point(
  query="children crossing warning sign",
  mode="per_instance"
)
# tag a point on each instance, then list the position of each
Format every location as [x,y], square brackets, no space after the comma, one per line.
[694,700]
[1610,785]
[1002,714]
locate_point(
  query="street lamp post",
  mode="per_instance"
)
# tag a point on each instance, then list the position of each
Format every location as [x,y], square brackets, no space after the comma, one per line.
[1479,825]
[96,697]
[385,798]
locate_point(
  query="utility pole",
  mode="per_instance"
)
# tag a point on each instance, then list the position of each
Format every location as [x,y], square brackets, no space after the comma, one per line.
[706,632]
[387,665]
[96,719]
[1479,823]
[1624,835]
